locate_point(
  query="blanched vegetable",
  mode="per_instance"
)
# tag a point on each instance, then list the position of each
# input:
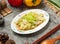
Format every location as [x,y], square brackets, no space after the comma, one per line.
[30,21]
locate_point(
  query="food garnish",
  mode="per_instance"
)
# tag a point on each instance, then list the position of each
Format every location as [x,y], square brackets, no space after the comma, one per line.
[30,21]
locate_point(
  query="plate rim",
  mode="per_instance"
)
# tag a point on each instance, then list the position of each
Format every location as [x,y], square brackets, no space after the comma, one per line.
[34,28]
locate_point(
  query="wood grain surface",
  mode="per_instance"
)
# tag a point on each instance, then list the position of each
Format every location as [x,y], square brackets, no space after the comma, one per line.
[52,7]
[47,34]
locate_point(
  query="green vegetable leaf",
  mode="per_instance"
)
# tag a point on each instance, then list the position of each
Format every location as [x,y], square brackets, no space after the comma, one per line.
[55,3]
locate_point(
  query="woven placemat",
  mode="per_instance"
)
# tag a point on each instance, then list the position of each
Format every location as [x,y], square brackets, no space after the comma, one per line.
[5,11]
[52,7]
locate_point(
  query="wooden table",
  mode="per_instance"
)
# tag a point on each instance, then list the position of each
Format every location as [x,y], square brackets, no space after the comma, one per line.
[21,39]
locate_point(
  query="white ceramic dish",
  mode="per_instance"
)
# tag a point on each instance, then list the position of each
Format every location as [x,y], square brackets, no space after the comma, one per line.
[14,28]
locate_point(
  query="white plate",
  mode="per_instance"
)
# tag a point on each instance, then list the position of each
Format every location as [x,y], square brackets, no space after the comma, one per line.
[46,15]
